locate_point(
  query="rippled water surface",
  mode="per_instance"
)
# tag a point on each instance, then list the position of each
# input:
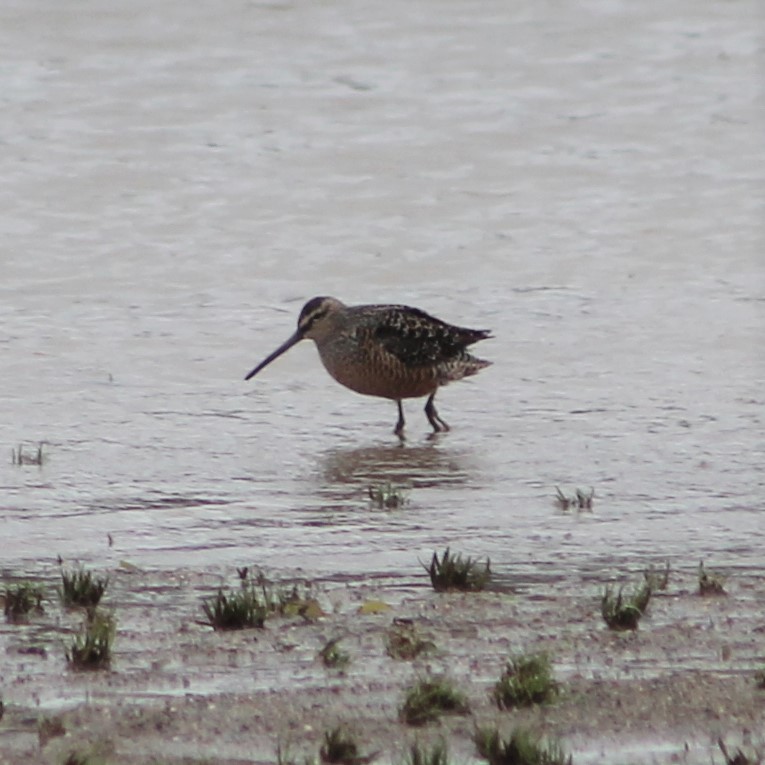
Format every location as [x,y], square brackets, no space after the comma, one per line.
[584,179]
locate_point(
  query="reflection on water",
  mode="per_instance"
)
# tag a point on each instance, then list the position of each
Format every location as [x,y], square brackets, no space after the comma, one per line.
[422,466]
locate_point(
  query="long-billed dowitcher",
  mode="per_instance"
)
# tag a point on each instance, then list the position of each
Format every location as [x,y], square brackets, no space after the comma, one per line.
[392,351]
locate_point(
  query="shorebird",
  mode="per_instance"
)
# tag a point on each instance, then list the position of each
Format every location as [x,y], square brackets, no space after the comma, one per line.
[391,351]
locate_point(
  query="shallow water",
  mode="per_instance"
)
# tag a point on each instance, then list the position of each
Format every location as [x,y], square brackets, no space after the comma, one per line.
[586,181]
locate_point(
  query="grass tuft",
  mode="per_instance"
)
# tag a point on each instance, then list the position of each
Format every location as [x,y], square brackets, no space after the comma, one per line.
[709,583]
[235,610]
[386,496]
[526,680]
[92,648]
[19,600]
[622,612]
[284,755]
[49,728]
[332,656]
[297,599]
[80,588]
[340,746]
[403,641]
[579,500]
[422,754]
[453,572]
[522,748]
[428,699]
[76,758]
[21,457]
[657,580]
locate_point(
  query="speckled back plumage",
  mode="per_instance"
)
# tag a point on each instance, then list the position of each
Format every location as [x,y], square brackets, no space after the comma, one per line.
[421,342]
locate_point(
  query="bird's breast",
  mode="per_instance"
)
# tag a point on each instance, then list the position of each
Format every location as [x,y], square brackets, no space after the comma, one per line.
[367,368]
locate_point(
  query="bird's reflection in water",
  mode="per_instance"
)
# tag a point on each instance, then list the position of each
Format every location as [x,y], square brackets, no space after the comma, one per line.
[428,465]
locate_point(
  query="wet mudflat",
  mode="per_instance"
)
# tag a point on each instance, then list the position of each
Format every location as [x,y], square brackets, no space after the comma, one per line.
[179,692]
[583,180]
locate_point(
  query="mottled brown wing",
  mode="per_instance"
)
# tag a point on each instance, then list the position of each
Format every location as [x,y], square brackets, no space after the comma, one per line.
[416,338]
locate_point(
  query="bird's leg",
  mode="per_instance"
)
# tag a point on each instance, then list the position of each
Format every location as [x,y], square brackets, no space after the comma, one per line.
[399,429]
[430,409]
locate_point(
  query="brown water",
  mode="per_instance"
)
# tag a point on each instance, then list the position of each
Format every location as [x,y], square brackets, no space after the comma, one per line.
[584,179]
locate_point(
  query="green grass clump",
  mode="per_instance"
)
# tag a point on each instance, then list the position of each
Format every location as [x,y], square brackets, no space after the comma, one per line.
[340,746]
[430,698]
[386,496]
[80,588]
[526,680]
[522,748]
[295,599]
[332,656]
[19,600]
[235,610]
[403,641]
[453,572]
[709,583]
[436,754]
[622,612]
[92,648]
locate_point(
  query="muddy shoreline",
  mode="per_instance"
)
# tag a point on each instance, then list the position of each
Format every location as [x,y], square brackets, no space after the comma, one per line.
[179,692]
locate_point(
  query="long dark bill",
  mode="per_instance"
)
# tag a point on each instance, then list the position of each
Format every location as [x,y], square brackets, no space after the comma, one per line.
[296,338]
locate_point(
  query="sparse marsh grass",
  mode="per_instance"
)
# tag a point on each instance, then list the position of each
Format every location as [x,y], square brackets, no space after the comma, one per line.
[81,588]
[19,600]
[430,698]
[386,496]
[340,746]
[710,583]
[526,680]
[424,754]
[403,641]
[623,612]
[294,599]
[235,610]
[455,572]
[579,500]
[521,748]
[657,579]
[20,456]
[332,656]
[92,647]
